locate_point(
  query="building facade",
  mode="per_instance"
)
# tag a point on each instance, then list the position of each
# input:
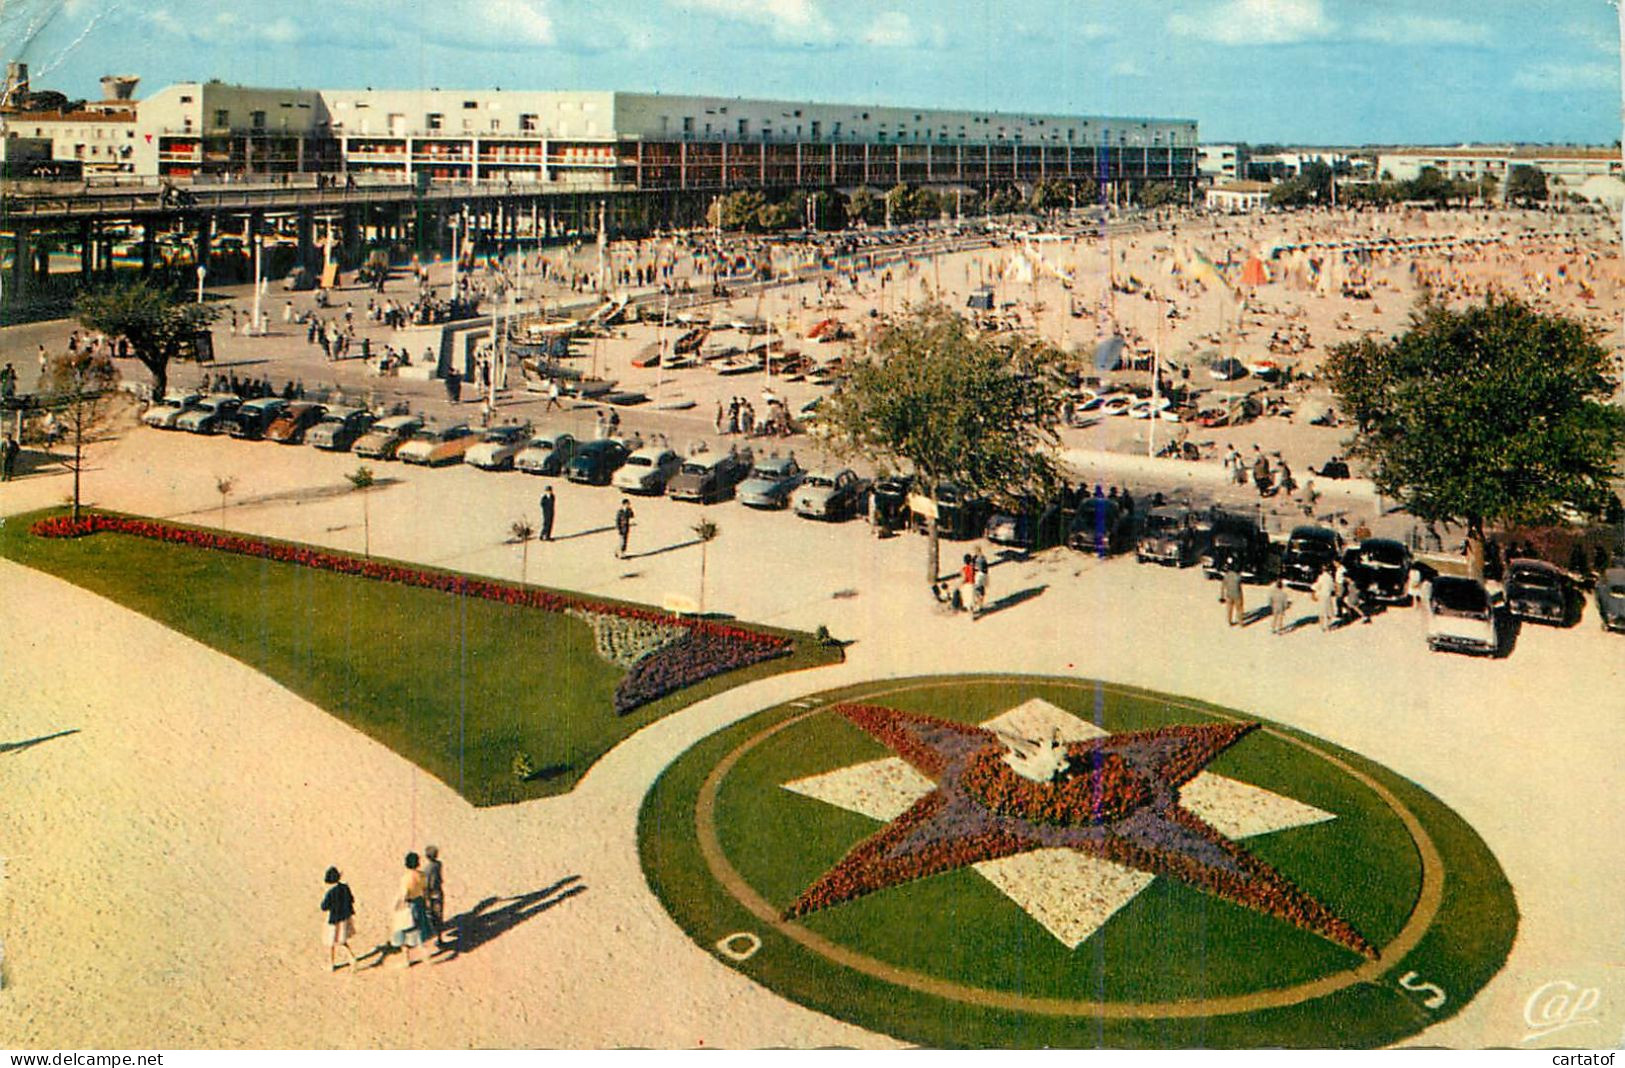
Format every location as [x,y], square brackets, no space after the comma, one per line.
[1571,167]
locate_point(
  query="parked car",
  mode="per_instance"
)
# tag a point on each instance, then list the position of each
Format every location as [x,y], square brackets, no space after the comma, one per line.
[1381,567]
[206,415]
[771,482]
[595,462]
[647,470]
[253,418]
[960,515]
[295,422]
[1101,525]
[890,501]
[1537,591]
[1310,550]
[1236,541]
[1028,523]
[163,413]
[438,446]
[340,429]
[1611,599]
[545,454]
[498,447]
[831,495]
[1461,617]
[709,476]
[1168,537]
[387,435]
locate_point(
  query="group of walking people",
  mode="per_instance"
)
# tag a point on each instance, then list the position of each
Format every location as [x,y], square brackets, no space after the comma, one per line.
[970,595]
[417,917]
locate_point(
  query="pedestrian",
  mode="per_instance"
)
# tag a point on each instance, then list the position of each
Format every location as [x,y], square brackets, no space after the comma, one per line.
[434,891]
[979,583]
[410,922]
[547,515]
[339,904]
[967,583]
[552,395]
[1231,595]
[454,387]
[1279,603]
[1324,593]
[623,526]
[8,458]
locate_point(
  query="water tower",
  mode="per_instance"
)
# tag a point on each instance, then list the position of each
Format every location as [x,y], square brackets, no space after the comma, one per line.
[119,88]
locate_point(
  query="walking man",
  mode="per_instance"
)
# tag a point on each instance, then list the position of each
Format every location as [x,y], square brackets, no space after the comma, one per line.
[8,458]
[552,395]
[1324,593]
[1279,603]
[547,515]
[623,526]
[434,891]
[1231,595]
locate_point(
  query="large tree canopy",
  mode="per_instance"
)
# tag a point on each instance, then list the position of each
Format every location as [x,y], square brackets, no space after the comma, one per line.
[951,404]
[1497,413]
[157,323]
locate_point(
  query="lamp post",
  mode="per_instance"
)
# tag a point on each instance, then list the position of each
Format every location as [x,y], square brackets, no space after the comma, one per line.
[255,326]
[201,272]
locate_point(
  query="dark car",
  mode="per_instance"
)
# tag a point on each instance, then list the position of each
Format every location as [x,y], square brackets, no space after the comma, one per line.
[1309,551]
[253,419]
[890,501]
[596,462]
[1537,591]
[708,477]
[1236,541]
[771,482]
[1611,599]
[1168,537]
[960,515]
[1381,567]
[340,429]
[1101,525]
[1028,523]
[290,427]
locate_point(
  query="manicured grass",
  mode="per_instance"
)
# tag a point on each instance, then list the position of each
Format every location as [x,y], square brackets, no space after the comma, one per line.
[457,685]
[1171,943]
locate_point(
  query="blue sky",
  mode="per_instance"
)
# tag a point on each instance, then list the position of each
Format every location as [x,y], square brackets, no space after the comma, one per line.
[1311,71]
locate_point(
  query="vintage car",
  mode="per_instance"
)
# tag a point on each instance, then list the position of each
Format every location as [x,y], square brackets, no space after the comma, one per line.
[960,515]
[831,495]
[253,418]
[1537,591]
[438,446]
[596,462]
[889,502]
[206,416]
[386,436]
[1028,523]
[1309,550]
[340,429]
[1381,567]
[1461,617]
[1611,599]
[1168,537]
[709,476]
[163,413]
[771,482]
[545,454]
[647,470]
[1101,525]
[295,422]
[1236,541]
[499,447]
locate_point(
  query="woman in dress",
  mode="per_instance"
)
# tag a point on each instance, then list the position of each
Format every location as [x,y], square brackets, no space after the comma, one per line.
[411,925]
[339,904]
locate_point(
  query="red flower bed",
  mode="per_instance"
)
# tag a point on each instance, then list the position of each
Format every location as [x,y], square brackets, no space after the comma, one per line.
[1101,787]
[710,648]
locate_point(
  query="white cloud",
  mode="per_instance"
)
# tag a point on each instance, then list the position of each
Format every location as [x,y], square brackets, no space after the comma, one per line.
[1255,22]
[891,29]
[225,27]
[1567,77]
[789,21]
[1423,30]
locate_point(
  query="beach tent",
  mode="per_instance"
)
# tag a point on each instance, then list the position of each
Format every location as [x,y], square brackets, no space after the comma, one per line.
[1253,273]
[1109,354]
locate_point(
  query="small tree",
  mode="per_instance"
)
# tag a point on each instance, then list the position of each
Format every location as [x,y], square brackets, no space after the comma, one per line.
[78,389]
[223,485]
[1526,185]
[707,532]
[157,322]
[362,480]
[522,532]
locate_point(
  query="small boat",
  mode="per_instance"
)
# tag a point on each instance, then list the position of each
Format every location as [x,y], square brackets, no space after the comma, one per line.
[738,367]
[679,405]
[1143,409]
[625,398]
[1117,404]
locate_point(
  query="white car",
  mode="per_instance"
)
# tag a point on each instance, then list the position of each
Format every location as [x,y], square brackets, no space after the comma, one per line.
[1461,617]
[546,454]
[164,412]
[647,470]
[498,447]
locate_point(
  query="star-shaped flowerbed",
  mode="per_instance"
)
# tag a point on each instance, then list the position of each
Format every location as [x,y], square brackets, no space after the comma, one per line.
[1119,807]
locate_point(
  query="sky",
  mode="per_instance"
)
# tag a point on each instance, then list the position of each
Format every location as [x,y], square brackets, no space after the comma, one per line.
[1289,71]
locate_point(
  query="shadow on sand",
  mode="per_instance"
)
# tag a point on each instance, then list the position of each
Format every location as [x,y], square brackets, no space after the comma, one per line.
[17,747]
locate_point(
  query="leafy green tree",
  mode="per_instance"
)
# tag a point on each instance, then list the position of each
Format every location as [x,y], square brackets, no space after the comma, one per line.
[78,389]
[864,206]
[1291,193]
[907,204]
[1003,201]
[1526,185]
[1050,197]
[1159,194]
[158,323]
[953,405]
[1496,414]
[1430,184]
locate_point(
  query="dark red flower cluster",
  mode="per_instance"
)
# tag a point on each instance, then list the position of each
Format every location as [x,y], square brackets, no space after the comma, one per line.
[880,722]
[711,647]
[1099,787]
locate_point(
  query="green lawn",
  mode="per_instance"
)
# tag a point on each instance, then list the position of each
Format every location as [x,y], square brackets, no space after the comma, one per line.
[1171,943]
[457,685]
